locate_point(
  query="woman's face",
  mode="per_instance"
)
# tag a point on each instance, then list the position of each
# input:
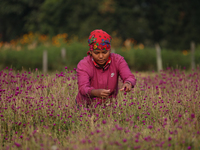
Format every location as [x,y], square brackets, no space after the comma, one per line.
[100,56]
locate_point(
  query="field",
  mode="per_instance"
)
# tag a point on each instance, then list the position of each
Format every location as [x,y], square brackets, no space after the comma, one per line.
[39,112]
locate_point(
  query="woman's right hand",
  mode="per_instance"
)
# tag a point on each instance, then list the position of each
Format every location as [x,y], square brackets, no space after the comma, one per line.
[101,93]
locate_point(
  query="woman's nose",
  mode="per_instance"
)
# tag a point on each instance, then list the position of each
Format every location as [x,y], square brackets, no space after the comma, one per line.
[100,55]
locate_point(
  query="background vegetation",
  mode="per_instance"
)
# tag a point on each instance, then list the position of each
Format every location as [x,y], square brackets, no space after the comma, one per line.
[27,53]
[30,26]
[29,56]
[172,24]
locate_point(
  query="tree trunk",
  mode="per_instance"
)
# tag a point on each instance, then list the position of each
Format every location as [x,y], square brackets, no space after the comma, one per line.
[159,58]
[63,53]
[45,62]
[192,47]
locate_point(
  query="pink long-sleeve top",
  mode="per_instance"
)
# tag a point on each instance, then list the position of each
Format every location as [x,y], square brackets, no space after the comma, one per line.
[91,76]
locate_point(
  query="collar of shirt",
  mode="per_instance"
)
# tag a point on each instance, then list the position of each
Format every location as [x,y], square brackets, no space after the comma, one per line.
[108,62]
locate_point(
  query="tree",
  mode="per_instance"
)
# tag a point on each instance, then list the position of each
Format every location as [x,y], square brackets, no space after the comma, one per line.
[14,15]
[182,23]
[129,20]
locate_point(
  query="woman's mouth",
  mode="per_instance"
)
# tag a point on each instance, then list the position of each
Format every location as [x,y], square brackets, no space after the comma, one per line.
[101,61]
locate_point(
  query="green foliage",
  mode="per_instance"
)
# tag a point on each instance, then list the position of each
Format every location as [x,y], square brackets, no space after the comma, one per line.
[145,59]
[137,59]
[172,24]
[176,59]
[16,16]
[31,59]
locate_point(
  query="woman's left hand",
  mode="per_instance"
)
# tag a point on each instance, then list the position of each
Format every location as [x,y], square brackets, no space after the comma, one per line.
[126,87]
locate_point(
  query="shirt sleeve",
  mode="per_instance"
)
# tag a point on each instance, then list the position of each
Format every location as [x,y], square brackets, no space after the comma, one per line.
[125,72]
[84,85]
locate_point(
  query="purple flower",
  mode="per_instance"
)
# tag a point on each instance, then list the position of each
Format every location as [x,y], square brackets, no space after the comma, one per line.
[169,139]
[104,121]
[17,144]
[192,116]
[98,130]
[65,67]
[83,141]
[176,120]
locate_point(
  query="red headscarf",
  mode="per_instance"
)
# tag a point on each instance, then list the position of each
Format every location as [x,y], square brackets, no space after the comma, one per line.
[99,40]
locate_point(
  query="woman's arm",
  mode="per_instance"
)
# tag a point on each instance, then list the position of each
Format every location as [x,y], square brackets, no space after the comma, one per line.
[84,85]
[125,73]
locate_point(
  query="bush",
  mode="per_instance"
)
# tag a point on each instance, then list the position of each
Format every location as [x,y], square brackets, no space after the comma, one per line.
[137,59]
[31,59]
[145,59]
[175,59]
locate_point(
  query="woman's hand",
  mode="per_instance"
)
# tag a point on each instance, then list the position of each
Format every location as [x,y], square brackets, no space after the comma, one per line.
[126,87]
[101,93]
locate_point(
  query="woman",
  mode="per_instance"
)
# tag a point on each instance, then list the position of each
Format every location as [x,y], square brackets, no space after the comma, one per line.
[98,72]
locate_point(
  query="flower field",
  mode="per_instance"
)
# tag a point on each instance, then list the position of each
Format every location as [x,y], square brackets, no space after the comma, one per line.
[39,112]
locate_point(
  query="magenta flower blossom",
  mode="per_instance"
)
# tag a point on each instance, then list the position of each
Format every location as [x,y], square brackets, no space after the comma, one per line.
[104,121]
[17,144]
[192,116]
[136,140]
[150,126]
